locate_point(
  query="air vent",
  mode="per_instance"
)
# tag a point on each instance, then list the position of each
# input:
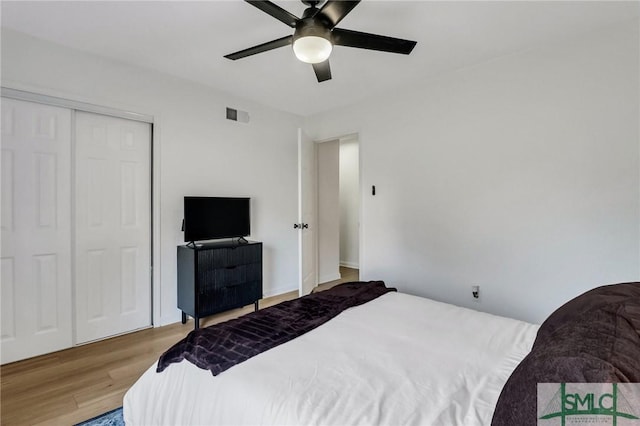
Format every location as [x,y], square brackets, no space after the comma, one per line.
[237,115]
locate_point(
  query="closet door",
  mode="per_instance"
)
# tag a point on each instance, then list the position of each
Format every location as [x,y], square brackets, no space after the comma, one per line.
[113,226]
[36,229]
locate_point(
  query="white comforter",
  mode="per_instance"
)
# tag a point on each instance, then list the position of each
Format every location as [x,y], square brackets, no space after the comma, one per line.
[396,360]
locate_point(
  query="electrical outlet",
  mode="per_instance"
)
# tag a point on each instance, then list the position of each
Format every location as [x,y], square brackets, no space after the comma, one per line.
[475,291]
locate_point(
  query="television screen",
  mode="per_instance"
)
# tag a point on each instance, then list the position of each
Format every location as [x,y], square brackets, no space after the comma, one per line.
[208,218]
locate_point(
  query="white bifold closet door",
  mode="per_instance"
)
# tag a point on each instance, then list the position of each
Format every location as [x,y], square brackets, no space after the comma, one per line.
[36,227]
[112,226]
[76,228]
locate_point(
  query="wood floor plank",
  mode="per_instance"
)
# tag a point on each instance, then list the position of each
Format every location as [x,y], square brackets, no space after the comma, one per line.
[97,392]
[84,413]
[133,368]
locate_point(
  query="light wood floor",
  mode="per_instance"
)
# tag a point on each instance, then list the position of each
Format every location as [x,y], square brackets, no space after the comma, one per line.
[70,386]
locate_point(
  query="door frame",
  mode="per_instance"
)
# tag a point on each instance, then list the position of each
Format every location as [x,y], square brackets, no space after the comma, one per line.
[358,136]
[37,95]
[303,138]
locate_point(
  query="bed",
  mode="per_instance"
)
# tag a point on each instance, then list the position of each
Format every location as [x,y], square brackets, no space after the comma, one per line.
[396,359]
[593,338]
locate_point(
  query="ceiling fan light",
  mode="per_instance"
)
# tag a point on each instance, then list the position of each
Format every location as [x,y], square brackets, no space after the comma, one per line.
[312,49]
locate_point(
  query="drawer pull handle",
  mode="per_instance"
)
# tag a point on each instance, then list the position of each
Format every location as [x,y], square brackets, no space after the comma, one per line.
[231,267]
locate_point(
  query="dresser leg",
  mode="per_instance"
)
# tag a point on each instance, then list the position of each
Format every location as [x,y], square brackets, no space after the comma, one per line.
[255,306]
[184,318]
[197,321]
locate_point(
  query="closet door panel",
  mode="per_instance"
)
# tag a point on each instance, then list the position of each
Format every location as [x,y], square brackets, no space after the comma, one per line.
[113,226]
[36,230]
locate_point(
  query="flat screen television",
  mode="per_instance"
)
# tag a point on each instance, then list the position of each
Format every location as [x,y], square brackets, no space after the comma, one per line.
[210,218]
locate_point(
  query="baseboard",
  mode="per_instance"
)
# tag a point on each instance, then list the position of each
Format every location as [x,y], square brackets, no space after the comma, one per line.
[351,265]
[279,290]
[172,318]
[326,278]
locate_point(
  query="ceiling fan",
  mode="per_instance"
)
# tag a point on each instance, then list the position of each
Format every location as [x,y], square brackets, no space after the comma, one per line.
[315,34]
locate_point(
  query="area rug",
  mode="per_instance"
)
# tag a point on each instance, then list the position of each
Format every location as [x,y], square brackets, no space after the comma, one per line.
[110,418]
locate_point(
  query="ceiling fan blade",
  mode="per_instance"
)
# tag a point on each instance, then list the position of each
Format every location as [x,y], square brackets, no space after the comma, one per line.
[270,45]
[334,10]
[276,11]
[323,71]
[372,41]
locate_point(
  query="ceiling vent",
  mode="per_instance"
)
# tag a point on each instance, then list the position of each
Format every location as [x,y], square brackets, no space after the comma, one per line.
[237,115]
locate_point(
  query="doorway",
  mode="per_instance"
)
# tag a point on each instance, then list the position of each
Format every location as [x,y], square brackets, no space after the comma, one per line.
[338,210]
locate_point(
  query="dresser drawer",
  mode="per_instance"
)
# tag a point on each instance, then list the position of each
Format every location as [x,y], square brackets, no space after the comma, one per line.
[215,279]
[232,296]
[231,256]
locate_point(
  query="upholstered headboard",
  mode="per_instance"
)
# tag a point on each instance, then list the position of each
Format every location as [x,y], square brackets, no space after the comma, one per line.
[594,338]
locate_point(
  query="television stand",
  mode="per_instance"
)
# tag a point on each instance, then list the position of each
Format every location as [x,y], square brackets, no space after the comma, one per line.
[218,276]
[242,240]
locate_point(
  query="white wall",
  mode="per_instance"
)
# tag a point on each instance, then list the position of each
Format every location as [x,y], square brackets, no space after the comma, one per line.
[520,175]
[328,157]
[349,202]
[200,152]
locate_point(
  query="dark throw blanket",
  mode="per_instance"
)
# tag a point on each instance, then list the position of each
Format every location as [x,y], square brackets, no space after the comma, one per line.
[594,338]
[221,346]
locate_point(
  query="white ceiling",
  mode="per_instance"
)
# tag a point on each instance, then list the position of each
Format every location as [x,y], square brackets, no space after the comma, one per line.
[189,39]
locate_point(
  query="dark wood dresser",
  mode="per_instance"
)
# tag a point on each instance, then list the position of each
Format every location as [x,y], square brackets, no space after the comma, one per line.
[218,276]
